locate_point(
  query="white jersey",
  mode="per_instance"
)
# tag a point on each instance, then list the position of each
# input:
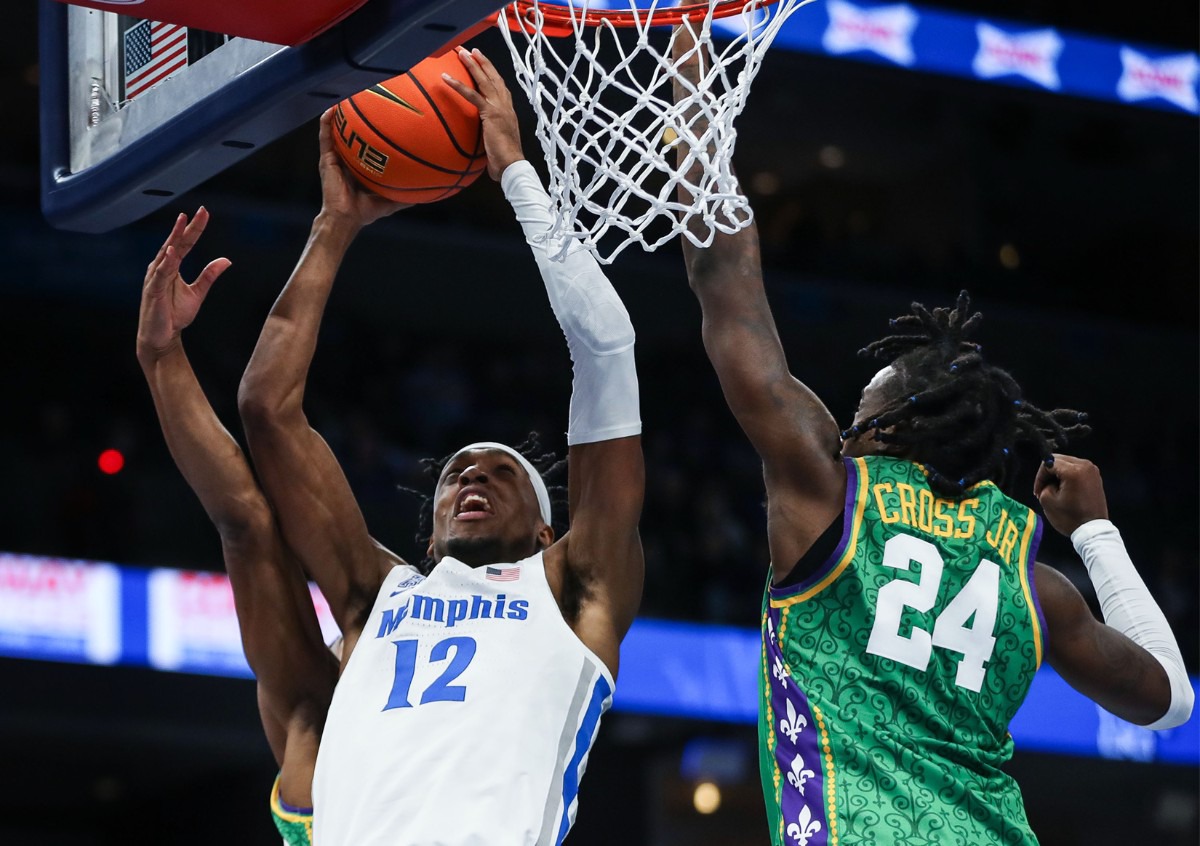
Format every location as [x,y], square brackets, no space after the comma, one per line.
[464,715]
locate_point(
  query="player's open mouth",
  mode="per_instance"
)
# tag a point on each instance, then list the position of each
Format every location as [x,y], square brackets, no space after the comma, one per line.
[472,506]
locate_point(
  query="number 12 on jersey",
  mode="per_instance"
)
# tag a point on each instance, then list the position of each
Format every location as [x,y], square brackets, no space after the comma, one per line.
[459,650]
[965,625]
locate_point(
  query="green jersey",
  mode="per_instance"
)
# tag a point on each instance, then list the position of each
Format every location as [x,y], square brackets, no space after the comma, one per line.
[294,824]
[889,676]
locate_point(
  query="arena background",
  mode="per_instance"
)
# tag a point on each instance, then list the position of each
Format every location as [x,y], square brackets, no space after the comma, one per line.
[1073,223]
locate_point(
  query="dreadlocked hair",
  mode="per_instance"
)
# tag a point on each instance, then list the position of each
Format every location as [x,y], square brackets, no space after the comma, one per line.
[963,418]
[549,465]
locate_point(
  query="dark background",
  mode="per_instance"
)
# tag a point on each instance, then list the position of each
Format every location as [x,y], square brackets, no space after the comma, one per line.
[439,333]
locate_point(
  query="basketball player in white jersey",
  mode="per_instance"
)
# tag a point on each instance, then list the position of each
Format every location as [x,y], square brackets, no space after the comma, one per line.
[281,637]
[469,696]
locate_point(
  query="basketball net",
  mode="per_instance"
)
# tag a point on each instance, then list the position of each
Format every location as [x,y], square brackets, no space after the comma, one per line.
[601,85]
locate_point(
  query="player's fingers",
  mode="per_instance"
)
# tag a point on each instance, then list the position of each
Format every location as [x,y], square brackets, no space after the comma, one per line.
[192,232]
[1046,480]
[176,231]
[485,64]
[163,272]
[475,70]
[498,88]
[1066,466]
[1083,472]
[325,131]
[468,58]
[491,84]
[209,275]
[168,268]
[465,91]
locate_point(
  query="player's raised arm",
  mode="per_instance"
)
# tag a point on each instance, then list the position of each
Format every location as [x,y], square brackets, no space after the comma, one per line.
[789,426]
[280,634]
[206,454]
[316,509]
[1130,664]
[600,559]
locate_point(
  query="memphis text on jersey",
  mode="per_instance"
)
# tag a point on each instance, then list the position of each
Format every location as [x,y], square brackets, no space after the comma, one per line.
[450,612]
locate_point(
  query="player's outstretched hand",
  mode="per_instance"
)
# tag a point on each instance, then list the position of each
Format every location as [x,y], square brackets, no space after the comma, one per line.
[170,304]
[340,193]
[1071,493]
[501,132]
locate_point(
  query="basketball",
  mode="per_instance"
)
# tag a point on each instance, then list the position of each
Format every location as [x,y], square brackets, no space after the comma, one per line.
[412,138]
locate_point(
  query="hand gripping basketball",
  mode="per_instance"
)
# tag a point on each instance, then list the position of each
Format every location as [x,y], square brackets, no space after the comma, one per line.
[340,194]
[493,100]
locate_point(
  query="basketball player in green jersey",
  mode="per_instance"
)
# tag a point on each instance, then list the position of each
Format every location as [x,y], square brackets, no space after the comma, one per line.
[281,637]
[905,618]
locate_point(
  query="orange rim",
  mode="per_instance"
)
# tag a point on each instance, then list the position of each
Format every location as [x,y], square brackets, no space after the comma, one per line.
[558,19]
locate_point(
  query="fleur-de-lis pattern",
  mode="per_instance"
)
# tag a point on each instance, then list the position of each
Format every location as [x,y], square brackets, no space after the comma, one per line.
[796,741]
[803,828]
[791,725]
[779,672]
[799,775]
[864,749]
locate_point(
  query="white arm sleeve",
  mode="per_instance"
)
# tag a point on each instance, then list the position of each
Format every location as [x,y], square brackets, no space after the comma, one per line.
[1129,608]
[604,393]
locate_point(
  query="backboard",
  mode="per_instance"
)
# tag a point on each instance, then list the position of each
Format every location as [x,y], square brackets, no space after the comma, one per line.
[277,21]
[133,113]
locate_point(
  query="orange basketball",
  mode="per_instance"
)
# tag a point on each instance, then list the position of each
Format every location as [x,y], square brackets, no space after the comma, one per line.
[412,138]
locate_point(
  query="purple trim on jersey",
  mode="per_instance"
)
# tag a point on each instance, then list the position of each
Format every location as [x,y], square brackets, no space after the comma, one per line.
[797,750]
[304,812]
[847,535]
[1030,570]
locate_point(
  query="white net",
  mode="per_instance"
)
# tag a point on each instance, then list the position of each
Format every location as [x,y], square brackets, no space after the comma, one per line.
[609,123]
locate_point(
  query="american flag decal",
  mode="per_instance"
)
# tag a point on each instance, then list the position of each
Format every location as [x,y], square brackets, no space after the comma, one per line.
[153,51]
[503,574]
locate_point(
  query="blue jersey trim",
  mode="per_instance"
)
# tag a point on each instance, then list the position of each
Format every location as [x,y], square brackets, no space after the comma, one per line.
[583,742]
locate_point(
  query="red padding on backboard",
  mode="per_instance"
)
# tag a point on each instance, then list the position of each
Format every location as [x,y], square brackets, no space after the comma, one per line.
[276,21]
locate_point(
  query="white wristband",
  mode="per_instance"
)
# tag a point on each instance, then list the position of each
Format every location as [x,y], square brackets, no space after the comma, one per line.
[1129,608]
[600,336]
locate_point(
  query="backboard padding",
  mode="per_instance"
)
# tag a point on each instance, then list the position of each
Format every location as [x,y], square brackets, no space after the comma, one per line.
[284,22]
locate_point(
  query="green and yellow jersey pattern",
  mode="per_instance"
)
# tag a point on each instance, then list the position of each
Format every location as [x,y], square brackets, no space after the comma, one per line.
[890,675]
[294,824]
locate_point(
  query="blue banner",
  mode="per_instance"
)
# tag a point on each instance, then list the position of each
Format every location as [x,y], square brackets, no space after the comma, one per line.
[184,621]
[995,50]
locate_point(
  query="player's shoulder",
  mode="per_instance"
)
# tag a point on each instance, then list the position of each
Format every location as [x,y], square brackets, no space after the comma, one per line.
[390,561]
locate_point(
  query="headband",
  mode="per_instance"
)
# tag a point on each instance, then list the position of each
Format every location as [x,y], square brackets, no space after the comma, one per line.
[535,478]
